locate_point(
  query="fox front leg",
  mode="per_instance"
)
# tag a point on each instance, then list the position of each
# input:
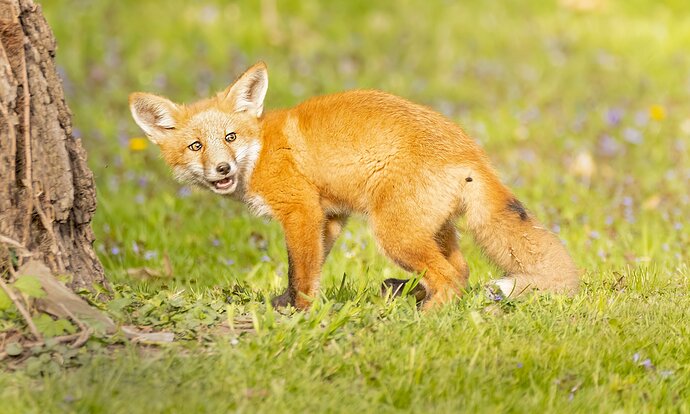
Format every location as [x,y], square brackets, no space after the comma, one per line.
[303,229]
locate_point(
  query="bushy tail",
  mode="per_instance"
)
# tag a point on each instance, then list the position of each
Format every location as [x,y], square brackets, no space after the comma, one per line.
[531,255]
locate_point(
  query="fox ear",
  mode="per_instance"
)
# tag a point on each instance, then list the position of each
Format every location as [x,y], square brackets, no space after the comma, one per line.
[247,93]
[154,114]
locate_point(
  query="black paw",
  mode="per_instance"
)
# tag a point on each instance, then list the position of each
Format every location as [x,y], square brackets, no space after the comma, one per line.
[283,300]
[397,286]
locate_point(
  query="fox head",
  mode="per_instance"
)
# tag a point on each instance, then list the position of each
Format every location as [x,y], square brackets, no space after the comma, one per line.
[213,143]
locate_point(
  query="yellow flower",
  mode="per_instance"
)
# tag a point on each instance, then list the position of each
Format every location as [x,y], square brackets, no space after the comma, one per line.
[138,144]
[657,112]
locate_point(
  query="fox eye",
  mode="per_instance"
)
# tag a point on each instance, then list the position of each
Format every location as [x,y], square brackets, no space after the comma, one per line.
[230,136]
[195,146]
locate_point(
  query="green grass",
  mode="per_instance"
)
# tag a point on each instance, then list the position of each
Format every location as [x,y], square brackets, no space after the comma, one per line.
[536,83]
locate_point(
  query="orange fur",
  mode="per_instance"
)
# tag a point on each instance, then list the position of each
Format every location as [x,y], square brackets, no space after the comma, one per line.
[411,171]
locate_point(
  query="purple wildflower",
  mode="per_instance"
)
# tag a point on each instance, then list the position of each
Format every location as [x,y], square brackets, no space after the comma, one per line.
[641,118]
[629,216]
[530,114]
[614,116]
[114,184]
[609,146]
[143,181]
[647,363]
[123,138]
[633,136]
[184,192]
[602,254]
[527,155]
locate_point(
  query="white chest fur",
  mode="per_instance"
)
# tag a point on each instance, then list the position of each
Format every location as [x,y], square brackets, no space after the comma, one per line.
[257,205]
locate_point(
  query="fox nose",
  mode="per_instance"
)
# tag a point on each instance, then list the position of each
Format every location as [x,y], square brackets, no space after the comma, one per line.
[223,168]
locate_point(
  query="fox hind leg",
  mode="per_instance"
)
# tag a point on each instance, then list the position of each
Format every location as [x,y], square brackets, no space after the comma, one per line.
[332,229]
[447,241]
[413,248]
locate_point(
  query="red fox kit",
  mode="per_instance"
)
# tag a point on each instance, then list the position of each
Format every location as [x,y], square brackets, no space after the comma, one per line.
[408,169]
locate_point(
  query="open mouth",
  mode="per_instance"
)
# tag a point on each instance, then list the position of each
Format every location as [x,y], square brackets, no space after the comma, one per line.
[224,184]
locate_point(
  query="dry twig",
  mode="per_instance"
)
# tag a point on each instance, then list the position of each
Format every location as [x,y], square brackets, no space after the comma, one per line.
[85,332]
[11,242]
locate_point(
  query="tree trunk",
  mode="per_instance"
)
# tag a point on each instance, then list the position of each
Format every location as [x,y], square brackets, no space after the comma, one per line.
[47,192]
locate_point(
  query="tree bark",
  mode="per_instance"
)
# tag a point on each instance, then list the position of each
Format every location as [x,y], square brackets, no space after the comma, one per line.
[47,192]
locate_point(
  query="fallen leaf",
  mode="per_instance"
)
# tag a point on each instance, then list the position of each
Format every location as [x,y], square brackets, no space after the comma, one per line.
[146,273]
[153,338]
[58,296]
[14,349]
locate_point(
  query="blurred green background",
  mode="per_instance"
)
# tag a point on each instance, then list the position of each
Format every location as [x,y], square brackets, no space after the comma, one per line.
[581,104]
